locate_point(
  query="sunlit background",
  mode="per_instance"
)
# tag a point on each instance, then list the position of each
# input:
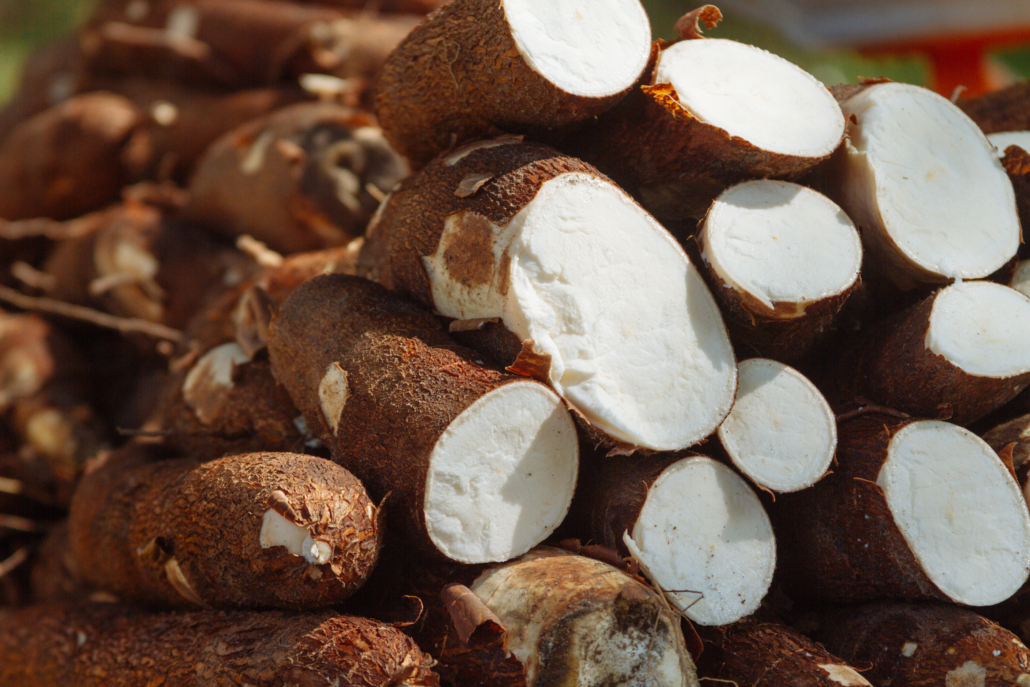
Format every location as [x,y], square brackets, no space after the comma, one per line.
[27,24]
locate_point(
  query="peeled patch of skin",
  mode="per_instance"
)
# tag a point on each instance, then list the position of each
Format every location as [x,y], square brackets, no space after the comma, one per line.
[982,328]
[752,94]
[206,388]
[922,171]
[704,538]
[936,480]
[1004,139]
[501,476]
[591,48]
[278,531]
[781,432]
[781,242]
[635,338]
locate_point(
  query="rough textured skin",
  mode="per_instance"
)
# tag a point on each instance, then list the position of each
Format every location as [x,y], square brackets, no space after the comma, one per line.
[64,162]
[133,522]
[411,222]
[1017,164]
[407,382]
[890,364]
[105,645]
[296,180]
[674,164]
[762,653]
[838,540]
[1004,110]
[1015,433]
[953,647]
[459,77]
[240,43]
[54,575]
[782,333]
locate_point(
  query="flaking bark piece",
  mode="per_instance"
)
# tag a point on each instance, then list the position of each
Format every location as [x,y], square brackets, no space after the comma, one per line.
[418,412]
[297,180]
[689,25]
[145,531]
[94,645]
[473,620]
[529,363]
[433,94]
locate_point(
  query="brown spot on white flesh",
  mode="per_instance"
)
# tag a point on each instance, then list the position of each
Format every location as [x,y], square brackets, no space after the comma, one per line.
[472,183]
[181,585]
[333,392]
[969,674]
[531,364]
[468,253]
[504,273]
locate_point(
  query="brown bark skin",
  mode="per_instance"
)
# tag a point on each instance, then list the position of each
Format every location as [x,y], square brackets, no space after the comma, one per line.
[296,180]
[759,652]
[757,331]
[434,93]
[407,382]
[890,365]
[1017,164]
[54,574]
[673,163]
[132,518]
[954,647]
[49,77]
[106,645]
[1015,434]
[241,43]
[838,540]
[1004,110]
[65,162]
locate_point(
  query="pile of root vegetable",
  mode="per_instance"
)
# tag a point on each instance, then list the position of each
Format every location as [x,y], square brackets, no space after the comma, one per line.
[492,343]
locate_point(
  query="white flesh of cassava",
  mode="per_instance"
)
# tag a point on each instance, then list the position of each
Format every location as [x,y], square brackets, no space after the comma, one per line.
[781,432]
[1004,139]
[754,95]
[982,328]
[635,338]
[501,475]
[704,538]
[591,48]
[927,184]
[960,510]
[781,243]
[602,651]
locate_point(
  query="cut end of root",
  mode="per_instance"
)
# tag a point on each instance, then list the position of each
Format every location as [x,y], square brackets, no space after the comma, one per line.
[590,48]
[276,530]
[781,243]
[938,480]
[704,538]
[781,432]
[769,102]
[502,474]
[981,328]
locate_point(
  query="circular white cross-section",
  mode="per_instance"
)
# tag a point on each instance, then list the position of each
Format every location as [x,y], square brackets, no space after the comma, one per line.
[960,511]
[781,243]
[769,102]
[635,337]
[982,328]
[591,48]
[704,537]
[502,474]
[923,173]
[781,432]
[1004,139]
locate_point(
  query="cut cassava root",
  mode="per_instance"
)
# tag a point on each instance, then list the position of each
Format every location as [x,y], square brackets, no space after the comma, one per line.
[713,113]
[481,465]
[781,432]
[696,528]
[597,298]
[106,645]
[281,530]
[782,259]
[553,63]
[913,510]
[958,354]
[926,186]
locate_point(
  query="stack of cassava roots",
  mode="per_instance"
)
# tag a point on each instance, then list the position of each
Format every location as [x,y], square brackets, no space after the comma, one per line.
[492,342]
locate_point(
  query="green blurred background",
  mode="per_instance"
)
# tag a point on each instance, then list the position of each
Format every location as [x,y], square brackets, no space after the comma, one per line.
[26,24]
